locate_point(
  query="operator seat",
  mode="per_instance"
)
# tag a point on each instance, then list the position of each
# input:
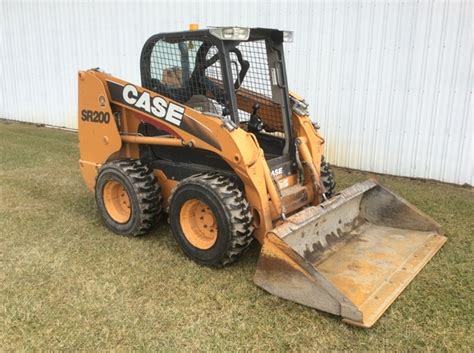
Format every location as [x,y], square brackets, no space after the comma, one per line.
[202,104]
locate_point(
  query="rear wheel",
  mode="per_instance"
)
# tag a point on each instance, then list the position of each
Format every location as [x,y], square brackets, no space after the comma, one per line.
[128,197]
[210,219]
[327,177]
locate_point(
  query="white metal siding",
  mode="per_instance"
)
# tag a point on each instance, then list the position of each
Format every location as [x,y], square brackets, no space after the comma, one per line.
[389,82]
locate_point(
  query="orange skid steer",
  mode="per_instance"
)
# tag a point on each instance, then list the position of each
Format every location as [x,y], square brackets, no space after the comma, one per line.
[214,139]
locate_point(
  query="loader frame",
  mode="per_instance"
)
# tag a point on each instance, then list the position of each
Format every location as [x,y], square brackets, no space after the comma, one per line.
[351,255]
[102,142]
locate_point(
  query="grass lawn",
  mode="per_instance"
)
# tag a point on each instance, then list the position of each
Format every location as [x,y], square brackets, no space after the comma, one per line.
[67,283]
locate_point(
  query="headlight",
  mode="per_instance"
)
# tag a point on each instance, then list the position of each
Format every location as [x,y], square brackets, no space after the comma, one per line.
[288,36]
[230,33]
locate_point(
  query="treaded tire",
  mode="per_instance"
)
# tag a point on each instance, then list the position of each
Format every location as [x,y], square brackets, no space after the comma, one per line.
[143,191]
[232,214]
[327,177]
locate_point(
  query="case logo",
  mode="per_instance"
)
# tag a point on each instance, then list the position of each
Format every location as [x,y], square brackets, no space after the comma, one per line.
[277,171]
[157,106]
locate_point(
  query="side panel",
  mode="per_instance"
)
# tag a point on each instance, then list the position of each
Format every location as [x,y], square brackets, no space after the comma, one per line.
[187,128]
[99,137]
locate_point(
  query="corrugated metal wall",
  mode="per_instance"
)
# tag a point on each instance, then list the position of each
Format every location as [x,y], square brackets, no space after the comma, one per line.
[389,82]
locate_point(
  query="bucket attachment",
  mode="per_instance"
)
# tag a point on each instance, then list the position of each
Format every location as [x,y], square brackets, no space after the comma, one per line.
[351,255]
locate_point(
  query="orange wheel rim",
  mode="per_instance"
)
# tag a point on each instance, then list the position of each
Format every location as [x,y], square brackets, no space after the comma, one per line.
[117,201]
[198,223]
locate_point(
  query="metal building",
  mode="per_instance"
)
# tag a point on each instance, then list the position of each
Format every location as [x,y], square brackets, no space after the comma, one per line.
[390,82]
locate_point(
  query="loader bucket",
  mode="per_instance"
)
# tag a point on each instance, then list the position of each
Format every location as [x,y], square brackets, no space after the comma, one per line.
[351,255]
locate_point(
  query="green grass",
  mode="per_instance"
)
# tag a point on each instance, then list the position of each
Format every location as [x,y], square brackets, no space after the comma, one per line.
[66,283]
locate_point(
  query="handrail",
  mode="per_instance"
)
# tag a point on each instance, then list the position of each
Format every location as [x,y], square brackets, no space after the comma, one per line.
[147,140]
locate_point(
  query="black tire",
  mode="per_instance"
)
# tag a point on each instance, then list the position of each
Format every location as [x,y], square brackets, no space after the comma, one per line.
[327,177]
[232,215]
[145,200]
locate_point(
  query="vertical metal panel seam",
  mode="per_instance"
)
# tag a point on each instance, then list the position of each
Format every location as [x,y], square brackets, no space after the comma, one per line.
[407,91]
[434,110]
[329,81]
[396,48]
[340,91]
[318,73]
[353,85]
[448,120]
[468,134]
[366,83]
[378,94]
[421,93]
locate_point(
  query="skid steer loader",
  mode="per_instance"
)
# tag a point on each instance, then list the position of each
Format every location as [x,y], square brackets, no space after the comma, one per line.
[214,139]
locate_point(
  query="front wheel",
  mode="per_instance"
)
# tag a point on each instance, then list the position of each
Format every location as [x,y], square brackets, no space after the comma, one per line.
[210,219]
[128,197]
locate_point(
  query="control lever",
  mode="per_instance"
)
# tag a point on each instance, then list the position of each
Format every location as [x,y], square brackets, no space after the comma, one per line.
[255,124]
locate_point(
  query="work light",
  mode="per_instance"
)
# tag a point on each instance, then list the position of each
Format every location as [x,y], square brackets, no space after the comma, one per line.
[230,33]
[288,36]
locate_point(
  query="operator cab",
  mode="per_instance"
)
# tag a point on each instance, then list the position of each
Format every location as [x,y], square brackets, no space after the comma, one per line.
[236,74]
